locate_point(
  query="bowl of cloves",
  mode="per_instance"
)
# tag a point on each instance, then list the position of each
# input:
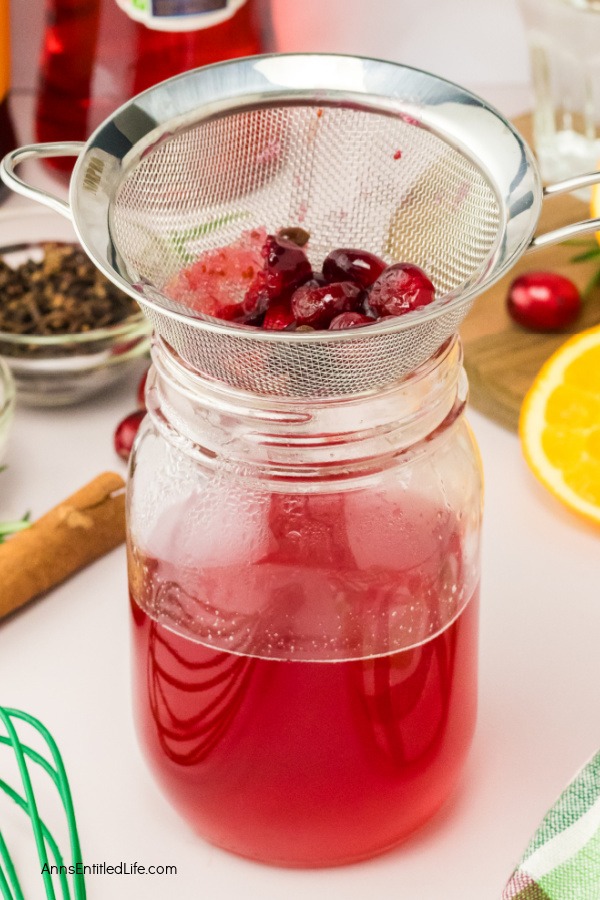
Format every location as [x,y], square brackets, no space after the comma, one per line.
[66,332]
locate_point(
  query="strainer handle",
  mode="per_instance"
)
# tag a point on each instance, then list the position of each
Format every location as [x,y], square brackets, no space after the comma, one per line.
[38,151]
[576,228]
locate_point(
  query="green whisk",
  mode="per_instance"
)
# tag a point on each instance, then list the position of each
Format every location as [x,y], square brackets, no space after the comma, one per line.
[45,842]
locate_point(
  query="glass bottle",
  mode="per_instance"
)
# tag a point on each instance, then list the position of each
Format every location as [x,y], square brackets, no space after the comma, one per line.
[7,133]
[95,56]
[304,581]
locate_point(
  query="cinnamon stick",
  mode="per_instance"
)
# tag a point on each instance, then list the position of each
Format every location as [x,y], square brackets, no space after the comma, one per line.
[73,534]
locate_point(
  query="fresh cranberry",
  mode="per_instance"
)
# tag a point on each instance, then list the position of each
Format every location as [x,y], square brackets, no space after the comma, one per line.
[286,267]
[278,316]
[543,301]
[366,308]
[126,431]
[400,289]
[257,298]
[317,306]
[232,312]
[286,264]
[141,390]
[349,320]
[359,266]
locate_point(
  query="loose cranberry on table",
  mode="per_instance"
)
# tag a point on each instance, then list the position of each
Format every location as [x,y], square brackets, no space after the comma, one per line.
[543,301]
[126,431]
[141,390]
[399,289]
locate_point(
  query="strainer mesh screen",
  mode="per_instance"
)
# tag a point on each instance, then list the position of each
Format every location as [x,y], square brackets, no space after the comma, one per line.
[352,178]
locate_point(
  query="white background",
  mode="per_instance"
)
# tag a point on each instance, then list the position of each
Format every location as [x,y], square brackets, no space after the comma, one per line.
[65,657]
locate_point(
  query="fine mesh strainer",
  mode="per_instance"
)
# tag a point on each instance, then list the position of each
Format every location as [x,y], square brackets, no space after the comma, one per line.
[360,152]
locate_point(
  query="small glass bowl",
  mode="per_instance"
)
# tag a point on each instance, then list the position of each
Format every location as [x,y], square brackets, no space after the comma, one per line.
[62,369]
[65,369]
[7,405]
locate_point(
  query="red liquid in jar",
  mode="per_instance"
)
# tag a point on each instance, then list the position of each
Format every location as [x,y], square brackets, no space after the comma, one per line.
[302,762]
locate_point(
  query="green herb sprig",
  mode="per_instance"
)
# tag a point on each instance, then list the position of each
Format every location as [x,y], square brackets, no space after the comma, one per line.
[8,528]
[587,255]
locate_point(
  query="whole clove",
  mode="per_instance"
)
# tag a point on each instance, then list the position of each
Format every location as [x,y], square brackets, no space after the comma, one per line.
[62,294]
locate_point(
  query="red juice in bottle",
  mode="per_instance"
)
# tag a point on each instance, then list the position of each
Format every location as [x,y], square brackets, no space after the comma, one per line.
[7,133]
[95,57]
[261,732]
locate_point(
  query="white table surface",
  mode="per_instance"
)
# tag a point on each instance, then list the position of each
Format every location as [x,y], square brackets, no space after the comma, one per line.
[65,658]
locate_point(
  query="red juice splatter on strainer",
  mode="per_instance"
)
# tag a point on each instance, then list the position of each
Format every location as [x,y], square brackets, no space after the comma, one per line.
[296,760]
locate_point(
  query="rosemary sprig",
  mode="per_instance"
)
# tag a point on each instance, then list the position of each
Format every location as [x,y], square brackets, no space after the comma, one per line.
[592,283]
[591,253]
[594,253]
[7,528]
[180,239]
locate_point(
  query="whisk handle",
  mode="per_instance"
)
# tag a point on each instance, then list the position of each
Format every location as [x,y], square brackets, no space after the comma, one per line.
[38,151]
[577,183]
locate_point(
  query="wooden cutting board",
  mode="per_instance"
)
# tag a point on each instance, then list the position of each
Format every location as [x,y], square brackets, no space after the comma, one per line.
[501,358]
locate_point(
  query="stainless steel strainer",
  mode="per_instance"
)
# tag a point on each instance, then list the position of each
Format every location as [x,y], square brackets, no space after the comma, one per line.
[360,152]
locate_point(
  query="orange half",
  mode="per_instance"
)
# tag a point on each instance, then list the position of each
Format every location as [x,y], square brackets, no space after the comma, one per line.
[595,205]
[559,426]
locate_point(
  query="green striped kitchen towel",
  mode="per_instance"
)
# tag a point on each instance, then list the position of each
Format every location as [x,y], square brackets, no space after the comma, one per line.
[562,862]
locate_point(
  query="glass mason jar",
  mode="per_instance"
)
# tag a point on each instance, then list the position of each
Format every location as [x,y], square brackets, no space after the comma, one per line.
[304,591]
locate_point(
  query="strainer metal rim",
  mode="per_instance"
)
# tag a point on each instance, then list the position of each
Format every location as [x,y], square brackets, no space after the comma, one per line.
[328,79]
